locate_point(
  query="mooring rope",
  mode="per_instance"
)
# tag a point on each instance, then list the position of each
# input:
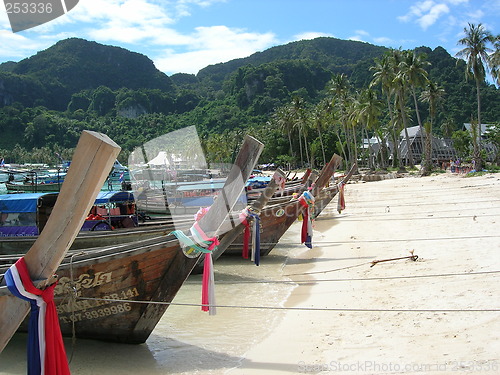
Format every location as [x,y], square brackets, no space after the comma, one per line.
[334,309]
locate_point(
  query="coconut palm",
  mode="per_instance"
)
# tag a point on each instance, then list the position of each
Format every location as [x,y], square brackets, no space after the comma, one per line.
[432,95]
[475,52]
[447,127]
[298,110]
[282,119]
[413,70]
[401,90]
[369,109]
[383,74]
[320,121]
[340,88]
[494,60]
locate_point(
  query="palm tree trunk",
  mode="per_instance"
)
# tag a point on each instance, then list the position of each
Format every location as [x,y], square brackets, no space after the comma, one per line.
[301,153]
[477,151]
[322,145]
[405,123]
[420,127]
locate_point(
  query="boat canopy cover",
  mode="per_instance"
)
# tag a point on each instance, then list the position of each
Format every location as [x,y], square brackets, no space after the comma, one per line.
[114,196]
[26,202]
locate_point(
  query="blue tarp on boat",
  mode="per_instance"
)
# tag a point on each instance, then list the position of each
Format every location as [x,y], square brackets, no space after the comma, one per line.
[26,202]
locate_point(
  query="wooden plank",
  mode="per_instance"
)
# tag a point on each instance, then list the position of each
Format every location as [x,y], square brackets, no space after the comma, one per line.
[257,206]
[233,187]
[181,266]
[94,156]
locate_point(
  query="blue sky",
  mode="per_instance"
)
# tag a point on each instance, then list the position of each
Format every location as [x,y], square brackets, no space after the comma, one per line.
[187,35]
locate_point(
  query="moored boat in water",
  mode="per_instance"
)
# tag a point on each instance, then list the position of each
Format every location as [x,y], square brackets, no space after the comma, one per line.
[123,290]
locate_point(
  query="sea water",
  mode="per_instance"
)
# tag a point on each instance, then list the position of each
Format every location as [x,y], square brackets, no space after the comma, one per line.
[187,340]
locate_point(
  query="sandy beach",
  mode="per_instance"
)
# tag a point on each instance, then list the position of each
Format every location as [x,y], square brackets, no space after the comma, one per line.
[452,224]
[326,310]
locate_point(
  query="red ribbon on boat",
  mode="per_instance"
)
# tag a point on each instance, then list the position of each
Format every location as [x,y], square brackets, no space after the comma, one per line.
[341,199]
[247,234]
[46,352]
[307,201]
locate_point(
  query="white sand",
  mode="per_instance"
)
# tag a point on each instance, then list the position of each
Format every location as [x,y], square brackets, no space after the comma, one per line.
[452,224]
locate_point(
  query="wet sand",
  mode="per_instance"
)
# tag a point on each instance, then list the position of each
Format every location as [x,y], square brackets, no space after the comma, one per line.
[335,317]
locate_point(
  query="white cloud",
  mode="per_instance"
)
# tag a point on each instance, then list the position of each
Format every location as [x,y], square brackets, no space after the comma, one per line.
[383,40]
[427,12]
[17,46]
[211,45]
[311,35]
[433,15]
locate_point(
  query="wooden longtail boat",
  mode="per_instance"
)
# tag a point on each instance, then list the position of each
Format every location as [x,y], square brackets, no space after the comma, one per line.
[107,280]
[328,193]
[276,218]
[93,158]
[112,220]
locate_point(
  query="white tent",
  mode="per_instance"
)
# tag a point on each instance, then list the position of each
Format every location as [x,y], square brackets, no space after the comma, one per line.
[163,158]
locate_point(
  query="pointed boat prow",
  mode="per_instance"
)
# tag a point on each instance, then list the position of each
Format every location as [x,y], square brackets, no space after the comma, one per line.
[93,158]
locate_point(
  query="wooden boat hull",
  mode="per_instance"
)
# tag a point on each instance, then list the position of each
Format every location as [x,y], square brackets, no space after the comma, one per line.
[88,239]
[34,188]
[151,270]
[275,221]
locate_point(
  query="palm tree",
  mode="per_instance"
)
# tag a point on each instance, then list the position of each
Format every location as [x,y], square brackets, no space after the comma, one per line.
[475,52]
[319,118]
[432,94]
[369,109]
[447,127]
[384,75]
[413,70]
[298,109]
[401,89]
[340,91]
[494,60]
[284,121]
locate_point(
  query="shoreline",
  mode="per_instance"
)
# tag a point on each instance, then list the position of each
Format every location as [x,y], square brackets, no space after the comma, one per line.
[453,233]
[339,315]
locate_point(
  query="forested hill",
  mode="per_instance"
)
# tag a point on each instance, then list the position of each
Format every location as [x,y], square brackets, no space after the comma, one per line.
[334,55]
[47,99]
[51,76]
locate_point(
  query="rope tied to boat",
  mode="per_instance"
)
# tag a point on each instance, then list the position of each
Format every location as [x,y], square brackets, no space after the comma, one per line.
[250,218]
[307,201]
[206,245]
[46,352]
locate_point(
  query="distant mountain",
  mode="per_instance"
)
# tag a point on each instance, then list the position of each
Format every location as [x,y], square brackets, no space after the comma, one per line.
[335,55]
[122,94]
[73,65]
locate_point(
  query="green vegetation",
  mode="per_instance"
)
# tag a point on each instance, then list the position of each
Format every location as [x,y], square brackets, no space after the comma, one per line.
[304,100]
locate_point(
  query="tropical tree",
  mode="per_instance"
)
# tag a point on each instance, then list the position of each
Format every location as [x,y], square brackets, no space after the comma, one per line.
[413,70]
[383,75]
[401,90]
[340,90]
[369,109]
[494,60]
[475,52]
[447,127]
[432,95]
[319,118]
[282,119]
[298,110]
